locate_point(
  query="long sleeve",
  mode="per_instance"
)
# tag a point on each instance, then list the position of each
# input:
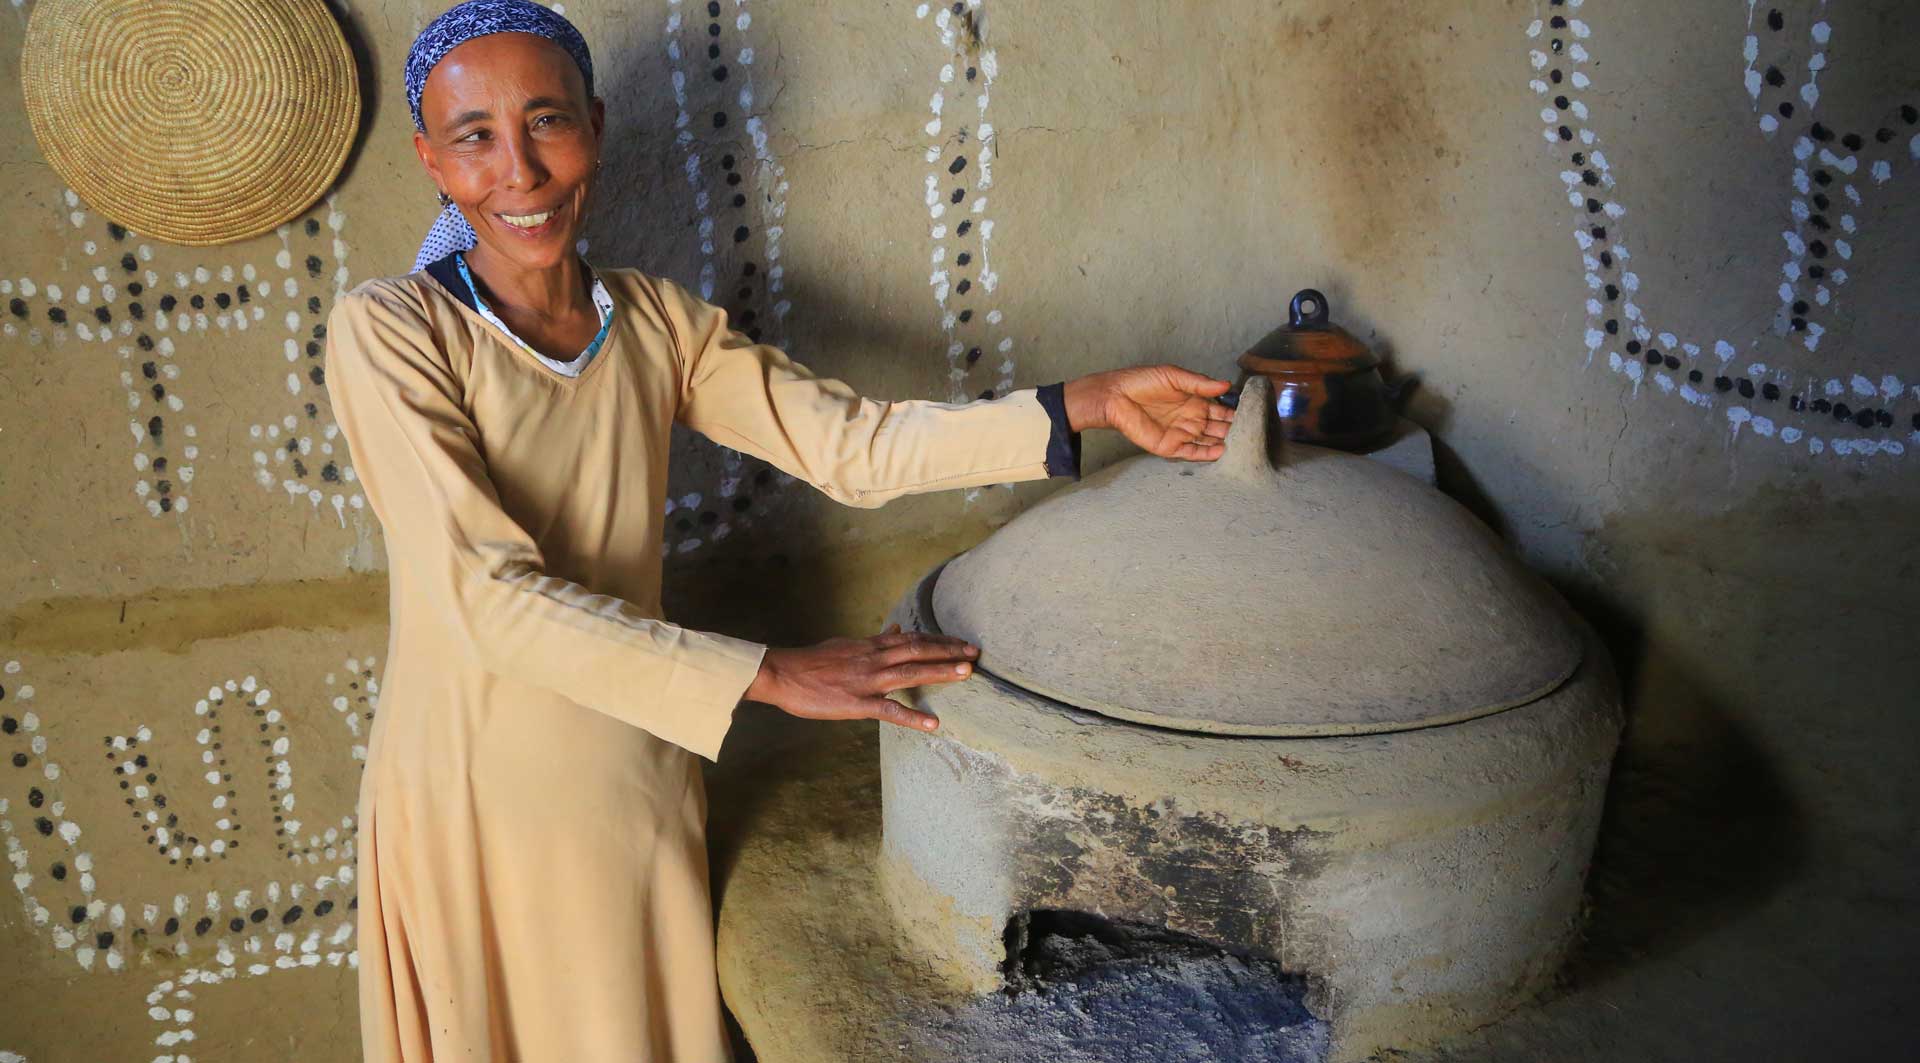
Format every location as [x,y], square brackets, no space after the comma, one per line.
[416,452]
[862,452]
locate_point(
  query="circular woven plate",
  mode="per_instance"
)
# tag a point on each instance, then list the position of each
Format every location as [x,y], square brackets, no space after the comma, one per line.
[195,121]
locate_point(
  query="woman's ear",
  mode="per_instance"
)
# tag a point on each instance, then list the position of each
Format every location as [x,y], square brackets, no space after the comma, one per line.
[597,108]
[421,149]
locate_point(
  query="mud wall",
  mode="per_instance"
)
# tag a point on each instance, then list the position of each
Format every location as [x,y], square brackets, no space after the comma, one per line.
[1652,262]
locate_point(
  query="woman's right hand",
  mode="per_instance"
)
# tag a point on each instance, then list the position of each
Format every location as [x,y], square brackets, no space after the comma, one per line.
[848,678]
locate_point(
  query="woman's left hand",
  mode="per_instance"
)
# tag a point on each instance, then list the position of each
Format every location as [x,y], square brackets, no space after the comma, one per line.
[1163,409]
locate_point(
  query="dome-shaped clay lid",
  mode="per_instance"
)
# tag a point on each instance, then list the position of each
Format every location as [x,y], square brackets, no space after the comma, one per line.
[1322,594]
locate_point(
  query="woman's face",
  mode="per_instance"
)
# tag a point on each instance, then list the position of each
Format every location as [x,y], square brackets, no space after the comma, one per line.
[512,137]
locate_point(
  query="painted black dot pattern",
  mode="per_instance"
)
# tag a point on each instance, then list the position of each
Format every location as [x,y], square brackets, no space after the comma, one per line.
[739,191]
[960,155]
[154,812]
[142,301]
[59,857]
[1826,185]
[1824,224]
[299,453]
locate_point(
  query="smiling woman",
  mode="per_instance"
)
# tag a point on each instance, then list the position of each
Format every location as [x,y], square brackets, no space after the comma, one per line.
[507,126]
[532,872]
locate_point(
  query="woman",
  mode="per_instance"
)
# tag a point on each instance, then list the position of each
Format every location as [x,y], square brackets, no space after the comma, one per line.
[532,865]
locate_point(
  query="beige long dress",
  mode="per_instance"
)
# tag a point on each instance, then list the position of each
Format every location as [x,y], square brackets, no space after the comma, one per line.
[532,865]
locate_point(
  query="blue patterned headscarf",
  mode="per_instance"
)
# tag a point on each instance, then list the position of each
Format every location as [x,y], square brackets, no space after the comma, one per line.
[460,24]
[479,18]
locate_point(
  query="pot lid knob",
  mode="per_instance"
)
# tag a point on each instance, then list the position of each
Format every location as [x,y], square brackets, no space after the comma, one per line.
[1308,309]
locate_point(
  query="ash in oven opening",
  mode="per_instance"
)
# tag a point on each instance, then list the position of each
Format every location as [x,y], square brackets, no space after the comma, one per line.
[1082,989]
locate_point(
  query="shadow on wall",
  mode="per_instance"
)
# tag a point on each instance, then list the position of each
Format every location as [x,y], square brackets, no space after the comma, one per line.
[367,75]
[694,190]
[1432,411]
[1699,827]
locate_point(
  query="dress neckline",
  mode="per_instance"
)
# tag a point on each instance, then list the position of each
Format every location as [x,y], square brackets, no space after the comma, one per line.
[445,274]
[602,305]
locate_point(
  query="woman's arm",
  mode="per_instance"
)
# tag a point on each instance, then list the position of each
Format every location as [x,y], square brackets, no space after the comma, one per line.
[415,451]
[864,452]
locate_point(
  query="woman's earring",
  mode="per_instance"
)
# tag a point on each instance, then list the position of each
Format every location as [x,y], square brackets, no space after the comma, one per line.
[446,200]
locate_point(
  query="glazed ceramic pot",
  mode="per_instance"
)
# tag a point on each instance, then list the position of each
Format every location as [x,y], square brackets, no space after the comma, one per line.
[1327,385]
[1308,709]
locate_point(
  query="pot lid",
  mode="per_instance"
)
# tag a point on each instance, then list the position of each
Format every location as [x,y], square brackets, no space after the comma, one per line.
[1324,594]
[1309,343]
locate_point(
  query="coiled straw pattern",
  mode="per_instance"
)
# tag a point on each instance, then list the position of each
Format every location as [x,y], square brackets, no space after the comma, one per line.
[193,121]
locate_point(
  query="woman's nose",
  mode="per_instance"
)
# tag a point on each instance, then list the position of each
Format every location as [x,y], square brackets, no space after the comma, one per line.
[523,170]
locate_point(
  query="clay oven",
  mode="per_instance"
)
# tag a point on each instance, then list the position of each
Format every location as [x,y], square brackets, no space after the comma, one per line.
[1299,705]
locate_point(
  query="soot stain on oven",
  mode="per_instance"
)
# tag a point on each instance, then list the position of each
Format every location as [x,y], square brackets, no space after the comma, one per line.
[1083,989]
[1196,872]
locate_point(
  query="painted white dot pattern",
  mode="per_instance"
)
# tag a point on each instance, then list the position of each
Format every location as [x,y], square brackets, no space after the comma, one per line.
[230,930]
[1759,392]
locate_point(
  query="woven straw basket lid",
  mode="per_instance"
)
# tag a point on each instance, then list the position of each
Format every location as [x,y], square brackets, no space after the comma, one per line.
[194,121]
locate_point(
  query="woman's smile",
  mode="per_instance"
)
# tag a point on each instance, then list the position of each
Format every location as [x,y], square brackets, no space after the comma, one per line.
[527,221]
[535,226]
